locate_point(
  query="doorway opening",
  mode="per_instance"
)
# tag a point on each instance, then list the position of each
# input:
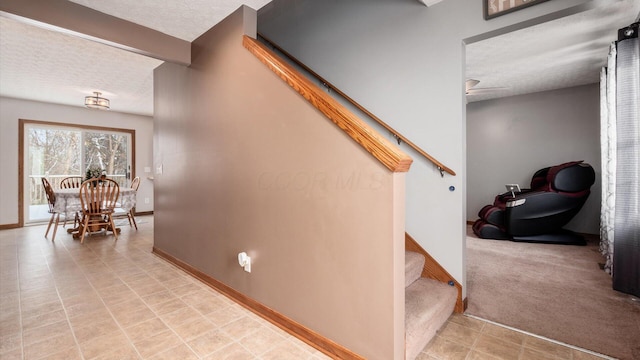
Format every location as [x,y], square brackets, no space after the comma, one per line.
[56,151]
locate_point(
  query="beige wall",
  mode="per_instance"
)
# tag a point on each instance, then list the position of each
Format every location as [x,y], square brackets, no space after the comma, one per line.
[249,165]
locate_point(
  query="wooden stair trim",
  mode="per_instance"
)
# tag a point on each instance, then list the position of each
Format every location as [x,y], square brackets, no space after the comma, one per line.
[395,133]
[317,341]
[433,270]
[382,149]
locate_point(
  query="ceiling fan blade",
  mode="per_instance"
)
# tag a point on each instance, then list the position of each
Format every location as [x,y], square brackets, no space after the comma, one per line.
[469,83]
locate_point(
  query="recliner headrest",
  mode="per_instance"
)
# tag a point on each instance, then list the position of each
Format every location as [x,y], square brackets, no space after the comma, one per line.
[573,176]
[539,179]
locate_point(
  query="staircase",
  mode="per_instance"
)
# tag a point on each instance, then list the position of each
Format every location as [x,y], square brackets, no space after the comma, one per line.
[428,305]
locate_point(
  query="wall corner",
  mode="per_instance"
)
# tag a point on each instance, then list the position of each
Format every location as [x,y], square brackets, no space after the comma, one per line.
[249,21]
[399,219]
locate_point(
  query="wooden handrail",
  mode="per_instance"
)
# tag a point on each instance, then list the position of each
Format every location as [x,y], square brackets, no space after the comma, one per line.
[382,149]
[395,133]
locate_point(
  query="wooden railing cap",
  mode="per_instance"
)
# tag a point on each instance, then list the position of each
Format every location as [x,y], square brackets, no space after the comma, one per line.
[399,137]
[382,149]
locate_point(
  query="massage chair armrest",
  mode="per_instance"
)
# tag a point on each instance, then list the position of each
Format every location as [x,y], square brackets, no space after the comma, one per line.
[506,196]
[533,199]
[537,212]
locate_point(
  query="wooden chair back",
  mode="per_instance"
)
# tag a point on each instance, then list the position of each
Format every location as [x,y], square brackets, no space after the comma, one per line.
[99,196]
[48,190]
[71,182]
[51,200]
[135,183]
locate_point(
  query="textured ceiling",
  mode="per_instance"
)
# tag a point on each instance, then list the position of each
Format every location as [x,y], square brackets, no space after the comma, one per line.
[184,19]
[48,66]
[566,52]
[42,65]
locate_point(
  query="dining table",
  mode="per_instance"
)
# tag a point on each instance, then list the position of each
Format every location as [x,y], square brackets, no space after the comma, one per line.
[68,203]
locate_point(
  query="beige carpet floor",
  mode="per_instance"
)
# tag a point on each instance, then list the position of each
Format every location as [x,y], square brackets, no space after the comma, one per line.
[555,291]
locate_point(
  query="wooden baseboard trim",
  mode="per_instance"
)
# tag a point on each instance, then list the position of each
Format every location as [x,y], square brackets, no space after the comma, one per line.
[326,346]
[470,222]
[143,213]
[433,270]
[9,226]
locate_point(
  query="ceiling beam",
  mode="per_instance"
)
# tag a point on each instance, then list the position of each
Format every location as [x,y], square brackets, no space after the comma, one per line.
[71,18]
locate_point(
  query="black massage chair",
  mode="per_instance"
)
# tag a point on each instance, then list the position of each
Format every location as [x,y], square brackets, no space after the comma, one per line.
[538,214]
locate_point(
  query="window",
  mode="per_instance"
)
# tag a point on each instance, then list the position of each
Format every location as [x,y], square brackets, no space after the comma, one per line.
[56,151]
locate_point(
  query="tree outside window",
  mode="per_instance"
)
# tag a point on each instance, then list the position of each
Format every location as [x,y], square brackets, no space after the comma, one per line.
[56,152]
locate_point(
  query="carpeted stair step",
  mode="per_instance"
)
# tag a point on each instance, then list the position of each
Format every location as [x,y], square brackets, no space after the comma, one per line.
[413,264]
[428,305]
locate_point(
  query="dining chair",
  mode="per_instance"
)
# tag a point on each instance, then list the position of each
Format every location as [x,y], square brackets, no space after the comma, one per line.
[72,182]
[135,184]
[121,212]
[51,201]
[98,198]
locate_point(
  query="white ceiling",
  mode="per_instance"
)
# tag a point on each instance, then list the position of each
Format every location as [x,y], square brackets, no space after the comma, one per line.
[566,52]
[184,19]
[42,65]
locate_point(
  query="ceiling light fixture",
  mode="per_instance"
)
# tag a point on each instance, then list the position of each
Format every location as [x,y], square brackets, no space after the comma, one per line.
[96,102]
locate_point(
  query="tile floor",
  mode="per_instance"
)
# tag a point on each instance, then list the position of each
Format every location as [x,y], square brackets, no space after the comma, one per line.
[116,300]
[464,337]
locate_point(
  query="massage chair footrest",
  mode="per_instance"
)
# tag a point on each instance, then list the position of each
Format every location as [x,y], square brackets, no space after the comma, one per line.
[485,230]
[492,214]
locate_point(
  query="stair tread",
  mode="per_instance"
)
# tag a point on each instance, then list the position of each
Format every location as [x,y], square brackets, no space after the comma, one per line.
[413,264]
[428,305]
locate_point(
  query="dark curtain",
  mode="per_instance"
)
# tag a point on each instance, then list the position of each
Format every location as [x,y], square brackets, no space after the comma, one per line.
[626,255]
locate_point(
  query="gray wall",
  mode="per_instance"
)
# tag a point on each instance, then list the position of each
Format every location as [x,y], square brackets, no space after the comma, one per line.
[509,139]
[249,165]
[405,63]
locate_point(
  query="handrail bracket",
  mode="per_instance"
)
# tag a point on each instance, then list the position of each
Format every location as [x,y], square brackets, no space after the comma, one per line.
[398,138]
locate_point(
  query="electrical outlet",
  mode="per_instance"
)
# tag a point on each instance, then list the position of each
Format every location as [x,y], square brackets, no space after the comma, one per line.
[146,200]
[245,261]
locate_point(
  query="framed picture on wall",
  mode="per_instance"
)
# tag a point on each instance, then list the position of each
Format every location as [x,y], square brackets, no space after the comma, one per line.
[493,8]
